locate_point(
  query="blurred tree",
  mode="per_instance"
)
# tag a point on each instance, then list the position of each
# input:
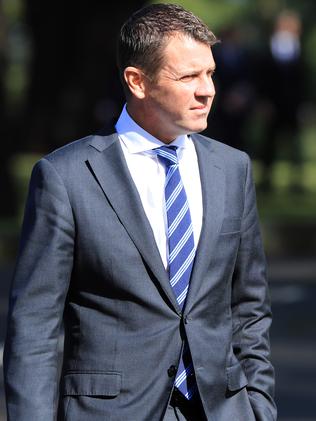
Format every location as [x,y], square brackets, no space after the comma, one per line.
[58,78]
[74,87]
[7,202]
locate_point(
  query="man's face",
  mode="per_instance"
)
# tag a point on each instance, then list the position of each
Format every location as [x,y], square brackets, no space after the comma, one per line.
[179,99]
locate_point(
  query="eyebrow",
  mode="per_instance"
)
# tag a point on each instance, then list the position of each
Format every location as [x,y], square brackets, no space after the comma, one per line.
[192,70]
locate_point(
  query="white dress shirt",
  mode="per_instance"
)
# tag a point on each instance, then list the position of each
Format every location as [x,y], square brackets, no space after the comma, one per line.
[148,174]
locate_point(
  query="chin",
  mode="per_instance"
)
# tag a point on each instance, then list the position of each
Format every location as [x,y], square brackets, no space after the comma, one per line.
[194,127]
[199,127]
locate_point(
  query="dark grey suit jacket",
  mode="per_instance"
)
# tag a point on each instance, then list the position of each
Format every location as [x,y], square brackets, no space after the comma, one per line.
[88,257]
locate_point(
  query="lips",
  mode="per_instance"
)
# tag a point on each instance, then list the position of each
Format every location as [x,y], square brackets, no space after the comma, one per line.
[200,107]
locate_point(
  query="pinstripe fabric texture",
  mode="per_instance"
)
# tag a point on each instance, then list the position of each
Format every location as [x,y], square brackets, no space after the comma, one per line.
[181,253]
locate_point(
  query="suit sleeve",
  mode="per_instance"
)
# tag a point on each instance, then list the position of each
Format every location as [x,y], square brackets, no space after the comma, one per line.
[37,298]
[251,310]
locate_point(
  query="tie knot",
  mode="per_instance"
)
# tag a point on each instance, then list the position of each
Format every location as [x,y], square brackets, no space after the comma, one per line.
[167,155]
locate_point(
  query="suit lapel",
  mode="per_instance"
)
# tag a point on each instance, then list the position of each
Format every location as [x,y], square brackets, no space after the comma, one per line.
[109,167]
[213,192]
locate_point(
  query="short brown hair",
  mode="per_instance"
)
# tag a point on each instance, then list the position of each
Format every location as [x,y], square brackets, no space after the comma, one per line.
[143,36]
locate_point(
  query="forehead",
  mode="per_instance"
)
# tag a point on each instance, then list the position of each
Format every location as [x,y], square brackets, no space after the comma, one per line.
[182,52]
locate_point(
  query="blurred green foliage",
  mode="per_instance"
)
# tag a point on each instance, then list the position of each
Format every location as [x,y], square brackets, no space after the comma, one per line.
[215,13]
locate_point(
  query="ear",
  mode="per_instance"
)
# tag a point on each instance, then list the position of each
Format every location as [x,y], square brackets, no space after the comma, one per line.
[135,81]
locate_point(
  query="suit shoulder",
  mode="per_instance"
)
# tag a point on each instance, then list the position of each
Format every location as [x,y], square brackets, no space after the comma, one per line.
[235,164]
[69,149]
[79,150]
[68,160]
[225,152]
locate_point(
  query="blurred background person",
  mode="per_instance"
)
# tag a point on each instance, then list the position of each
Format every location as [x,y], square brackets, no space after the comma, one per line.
[281,86]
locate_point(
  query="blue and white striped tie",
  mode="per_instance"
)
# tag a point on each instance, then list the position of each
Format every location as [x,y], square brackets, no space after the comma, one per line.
[181,253]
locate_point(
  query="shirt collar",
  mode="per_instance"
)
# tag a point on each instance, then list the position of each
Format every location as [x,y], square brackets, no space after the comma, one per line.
[138,140]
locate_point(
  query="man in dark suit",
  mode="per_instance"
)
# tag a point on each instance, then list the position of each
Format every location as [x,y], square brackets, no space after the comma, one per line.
[282,95]
[145,242]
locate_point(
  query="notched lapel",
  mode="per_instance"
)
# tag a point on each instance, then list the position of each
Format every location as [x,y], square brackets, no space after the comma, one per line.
[212,177]
[110,169]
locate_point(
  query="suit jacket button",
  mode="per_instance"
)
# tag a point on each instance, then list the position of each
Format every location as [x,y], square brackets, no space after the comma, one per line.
[172,371]
[187,319]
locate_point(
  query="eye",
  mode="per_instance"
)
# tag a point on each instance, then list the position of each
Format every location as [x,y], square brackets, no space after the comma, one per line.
[211,73]
[187,78]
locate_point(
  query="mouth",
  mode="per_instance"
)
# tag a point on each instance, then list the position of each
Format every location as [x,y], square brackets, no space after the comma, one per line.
[201,109]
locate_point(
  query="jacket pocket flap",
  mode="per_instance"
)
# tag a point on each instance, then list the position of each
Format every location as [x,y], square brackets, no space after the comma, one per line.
[92,384]
[230,225]
[236,378]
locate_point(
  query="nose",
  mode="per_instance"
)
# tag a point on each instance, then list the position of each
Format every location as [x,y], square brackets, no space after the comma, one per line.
[206,87]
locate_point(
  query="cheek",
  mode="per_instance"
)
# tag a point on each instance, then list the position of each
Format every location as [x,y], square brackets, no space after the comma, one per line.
[174,102]
[179,101]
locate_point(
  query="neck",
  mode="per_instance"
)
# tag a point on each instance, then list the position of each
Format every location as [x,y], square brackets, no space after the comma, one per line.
[137,113]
